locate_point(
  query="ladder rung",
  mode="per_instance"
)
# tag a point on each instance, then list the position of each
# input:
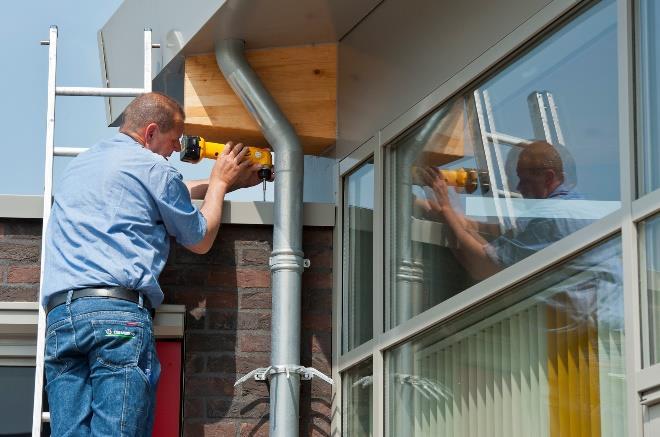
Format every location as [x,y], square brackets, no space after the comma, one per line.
[45,416]
[69,151]
[101,92]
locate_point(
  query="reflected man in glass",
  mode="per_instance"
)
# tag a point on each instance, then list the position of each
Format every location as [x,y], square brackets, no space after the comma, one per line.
[546,173]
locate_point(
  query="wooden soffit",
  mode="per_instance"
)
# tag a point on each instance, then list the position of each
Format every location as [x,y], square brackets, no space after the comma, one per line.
[302,80]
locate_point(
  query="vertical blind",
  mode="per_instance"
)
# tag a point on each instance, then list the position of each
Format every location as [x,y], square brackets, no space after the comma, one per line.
[549,366]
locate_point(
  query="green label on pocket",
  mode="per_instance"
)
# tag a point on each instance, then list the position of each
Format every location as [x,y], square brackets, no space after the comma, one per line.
[119,333]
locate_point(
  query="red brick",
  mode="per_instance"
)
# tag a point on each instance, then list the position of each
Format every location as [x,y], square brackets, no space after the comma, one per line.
[317,322]
[254,257]
[246,364]
[241,364]
[320,258]
[317,301]
[203,342]
[254,321]
[28,253]
[225,408]
[194,363]
[223,320]
[23,274]
[242,278]
[209,386]
[259,429]
[316,280]
[317,237]
[256,300]
[217,429]
[322,343]
[255,390]
[203,298]
[22,229]
[194,408]
[254,343]
[10,293]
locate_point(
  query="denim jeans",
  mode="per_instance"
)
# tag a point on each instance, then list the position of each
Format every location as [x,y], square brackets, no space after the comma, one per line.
[101,368]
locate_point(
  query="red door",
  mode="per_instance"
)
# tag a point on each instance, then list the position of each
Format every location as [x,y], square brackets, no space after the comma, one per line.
[168,398]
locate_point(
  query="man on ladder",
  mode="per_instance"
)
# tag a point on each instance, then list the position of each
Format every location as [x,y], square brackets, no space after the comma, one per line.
[106,244]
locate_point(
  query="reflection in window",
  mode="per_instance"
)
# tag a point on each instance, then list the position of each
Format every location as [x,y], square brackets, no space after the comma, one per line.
[16,399]
[544,359]
[358,401]
[649,95]
[650,260]
[498,173]
[358,210]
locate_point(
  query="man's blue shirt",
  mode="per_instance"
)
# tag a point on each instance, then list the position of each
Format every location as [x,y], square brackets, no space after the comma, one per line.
[111,216]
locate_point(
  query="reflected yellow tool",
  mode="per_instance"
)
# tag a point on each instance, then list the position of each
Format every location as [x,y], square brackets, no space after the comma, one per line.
[462,178]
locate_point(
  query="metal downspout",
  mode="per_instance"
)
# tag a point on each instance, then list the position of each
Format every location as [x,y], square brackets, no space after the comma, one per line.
[286,262]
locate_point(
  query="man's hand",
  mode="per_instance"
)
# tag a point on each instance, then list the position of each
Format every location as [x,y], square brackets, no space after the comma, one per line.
[438,200]
[231,166]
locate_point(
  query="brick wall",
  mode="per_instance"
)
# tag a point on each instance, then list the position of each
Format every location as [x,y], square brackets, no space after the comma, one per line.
[228,307]
[20,251]
[228,313]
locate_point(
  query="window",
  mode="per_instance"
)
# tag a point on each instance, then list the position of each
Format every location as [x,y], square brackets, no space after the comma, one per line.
[545,359]
[649,95]
[16,400]
[500,172]
[357,258]
[650,286]
[358,401]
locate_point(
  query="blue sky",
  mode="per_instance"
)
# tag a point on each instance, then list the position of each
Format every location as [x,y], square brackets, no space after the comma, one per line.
[80,121]
[23,85]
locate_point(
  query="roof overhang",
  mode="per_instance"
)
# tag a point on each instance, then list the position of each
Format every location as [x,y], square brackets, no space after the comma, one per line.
[188,28]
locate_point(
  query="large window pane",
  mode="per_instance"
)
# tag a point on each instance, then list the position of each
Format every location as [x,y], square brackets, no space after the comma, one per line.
[543,359]
[649,95]
[358,210]
[650,257]
[358,401]
[526,158]
[16,397]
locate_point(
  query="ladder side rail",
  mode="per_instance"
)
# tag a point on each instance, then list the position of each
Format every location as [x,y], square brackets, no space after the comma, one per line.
[147,60]
[489,161]
[37,416]
[555,118]
[500,162]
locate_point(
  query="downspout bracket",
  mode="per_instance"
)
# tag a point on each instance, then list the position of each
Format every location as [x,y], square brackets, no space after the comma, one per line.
[263,373]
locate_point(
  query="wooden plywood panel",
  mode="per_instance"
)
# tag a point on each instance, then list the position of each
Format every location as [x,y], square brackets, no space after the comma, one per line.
[447,142]
[302,80]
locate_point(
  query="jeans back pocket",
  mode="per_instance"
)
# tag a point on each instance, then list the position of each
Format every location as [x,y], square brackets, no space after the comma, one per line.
[118,342]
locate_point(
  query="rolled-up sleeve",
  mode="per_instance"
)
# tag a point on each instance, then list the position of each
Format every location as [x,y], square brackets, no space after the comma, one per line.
[181,218]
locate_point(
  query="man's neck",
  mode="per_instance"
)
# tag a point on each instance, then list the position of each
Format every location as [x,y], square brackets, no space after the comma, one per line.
[133,135]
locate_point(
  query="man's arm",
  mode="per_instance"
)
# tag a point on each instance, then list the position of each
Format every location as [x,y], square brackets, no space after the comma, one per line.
[199,187]
[471,251]
[228,171]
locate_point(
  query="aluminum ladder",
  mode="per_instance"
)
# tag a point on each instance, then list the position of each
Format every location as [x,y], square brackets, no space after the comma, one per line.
[39,417]
[545,123]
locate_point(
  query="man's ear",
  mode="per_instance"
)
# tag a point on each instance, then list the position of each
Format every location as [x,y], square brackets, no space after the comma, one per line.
[149,132]
[549,177]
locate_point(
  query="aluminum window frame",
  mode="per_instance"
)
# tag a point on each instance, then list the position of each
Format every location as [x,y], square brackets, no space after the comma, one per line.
[624,221]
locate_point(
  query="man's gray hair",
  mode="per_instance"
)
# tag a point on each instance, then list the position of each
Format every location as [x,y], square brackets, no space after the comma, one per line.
[152,108]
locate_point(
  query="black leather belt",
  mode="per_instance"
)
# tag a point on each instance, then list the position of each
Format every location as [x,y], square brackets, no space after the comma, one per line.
[113,292]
